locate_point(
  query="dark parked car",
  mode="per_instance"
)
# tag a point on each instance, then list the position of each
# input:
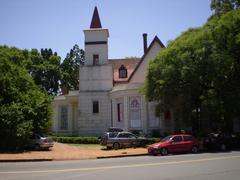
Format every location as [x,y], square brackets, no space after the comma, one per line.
[174,144]
[41,141]
[221,141]
[118,140]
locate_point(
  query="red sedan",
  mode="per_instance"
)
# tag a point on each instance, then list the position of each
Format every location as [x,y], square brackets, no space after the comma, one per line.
[174,144]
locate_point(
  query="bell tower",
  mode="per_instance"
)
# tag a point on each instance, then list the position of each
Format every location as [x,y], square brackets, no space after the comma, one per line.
[95,81]
[96,42]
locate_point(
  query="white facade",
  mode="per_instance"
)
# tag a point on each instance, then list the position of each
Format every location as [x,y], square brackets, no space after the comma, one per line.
[96,43]
[96,78]
[90,123]
[108,93]
[140,74]
[65,125]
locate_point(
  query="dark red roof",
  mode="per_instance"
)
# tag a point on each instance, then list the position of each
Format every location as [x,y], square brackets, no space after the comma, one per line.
[96,23]
[129,63]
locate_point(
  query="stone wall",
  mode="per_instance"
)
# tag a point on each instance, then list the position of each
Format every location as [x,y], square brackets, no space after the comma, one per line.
[90,123]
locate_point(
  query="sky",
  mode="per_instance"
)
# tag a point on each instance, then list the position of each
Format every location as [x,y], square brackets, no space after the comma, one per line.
[59,24]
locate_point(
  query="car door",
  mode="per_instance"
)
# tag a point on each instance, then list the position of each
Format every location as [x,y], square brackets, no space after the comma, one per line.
[132,140]
[176,144]
[187,143]
[121,139]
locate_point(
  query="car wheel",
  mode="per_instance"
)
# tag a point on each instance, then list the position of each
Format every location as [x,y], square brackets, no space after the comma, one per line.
[164,152]
[194,149]
[155,152]
[116,146]
[223,147]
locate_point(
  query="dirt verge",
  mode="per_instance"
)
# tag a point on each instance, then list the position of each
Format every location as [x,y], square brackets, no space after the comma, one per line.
[66,152]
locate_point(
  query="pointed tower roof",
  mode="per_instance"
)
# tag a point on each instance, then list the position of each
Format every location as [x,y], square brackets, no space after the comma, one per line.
[96,23]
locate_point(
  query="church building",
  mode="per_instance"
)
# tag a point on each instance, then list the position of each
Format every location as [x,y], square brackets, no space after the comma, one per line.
[109,91]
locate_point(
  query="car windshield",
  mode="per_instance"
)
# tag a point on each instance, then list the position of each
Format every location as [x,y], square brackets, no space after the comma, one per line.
[112,134]
[166,139]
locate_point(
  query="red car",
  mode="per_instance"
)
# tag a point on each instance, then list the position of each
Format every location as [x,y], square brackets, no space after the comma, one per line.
[173,144]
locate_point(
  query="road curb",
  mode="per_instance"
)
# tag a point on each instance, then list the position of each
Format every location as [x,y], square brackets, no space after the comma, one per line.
[121,156]
[24,160]
[50,159]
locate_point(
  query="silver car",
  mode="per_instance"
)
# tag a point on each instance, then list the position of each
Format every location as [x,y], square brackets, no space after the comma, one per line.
[41,141]
[118,140]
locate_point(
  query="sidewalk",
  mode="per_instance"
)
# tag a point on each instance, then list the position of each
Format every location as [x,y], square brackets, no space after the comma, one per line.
[66,152]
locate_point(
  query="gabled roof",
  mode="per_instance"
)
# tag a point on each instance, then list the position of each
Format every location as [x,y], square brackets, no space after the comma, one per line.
[96,23]
[157,40]
[129,63]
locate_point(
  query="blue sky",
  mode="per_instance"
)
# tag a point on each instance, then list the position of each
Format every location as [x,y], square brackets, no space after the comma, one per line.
[59,24]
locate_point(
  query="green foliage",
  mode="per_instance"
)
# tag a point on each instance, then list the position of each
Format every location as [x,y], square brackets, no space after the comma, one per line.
[152,140]
[76,140]
[223,6]
[24,109]
[45,70]
[89,140]
[70,68]
[197,74]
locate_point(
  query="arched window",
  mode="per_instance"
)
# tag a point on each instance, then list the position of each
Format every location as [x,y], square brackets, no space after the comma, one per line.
[122,72]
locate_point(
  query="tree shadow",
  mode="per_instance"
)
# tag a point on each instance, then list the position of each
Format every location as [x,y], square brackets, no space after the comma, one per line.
[15,151]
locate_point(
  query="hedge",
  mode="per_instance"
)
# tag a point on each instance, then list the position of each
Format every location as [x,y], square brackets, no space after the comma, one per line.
[90,140]
[76,140]
[152,140]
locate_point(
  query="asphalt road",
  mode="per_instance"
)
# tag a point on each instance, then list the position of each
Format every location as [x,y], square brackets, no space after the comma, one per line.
[219,166]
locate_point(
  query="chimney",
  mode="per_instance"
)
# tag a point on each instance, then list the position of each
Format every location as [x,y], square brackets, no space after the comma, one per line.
[145,42]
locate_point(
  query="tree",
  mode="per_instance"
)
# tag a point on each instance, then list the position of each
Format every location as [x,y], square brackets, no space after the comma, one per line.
[196,75]
[223,6]
[70,68]
[45,70]
[24,109]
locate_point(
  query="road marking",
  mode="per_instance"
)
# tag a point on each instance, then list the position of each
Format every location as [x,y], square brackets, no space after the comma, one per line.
[122,166]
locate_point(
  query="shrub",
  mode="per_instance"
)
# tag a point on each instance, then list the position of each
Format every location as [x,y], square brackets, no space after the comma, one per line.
[89,140]
[76,140]
[152,140]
